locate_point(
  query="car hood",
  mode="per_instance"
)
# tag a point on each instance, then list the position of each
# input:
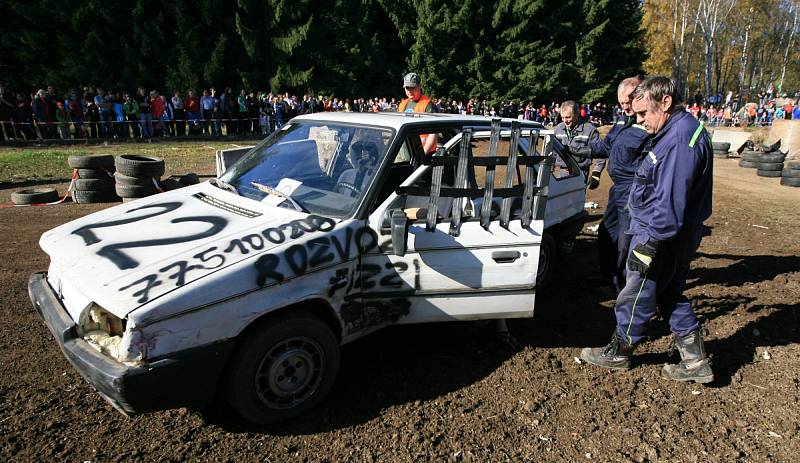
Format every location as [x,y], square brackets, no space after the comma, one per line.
[128,255]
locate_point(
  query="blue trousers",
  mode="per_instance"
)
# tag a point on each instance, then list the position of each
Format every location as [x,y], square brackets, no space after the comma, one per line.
[614,249]
[660,288]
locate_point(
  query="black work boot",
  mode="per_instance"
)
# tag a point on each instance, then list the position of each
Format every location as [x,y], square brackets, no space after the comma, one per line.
[616,355]
[694,365]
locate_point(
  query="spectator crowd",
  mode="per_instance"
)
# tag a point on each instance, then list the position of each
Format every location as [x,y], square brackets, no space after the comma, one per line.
[99,114]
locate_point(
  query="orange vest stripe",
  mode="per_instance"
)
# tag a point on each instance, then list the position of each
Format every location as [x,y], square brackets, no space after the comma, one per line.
[422,103]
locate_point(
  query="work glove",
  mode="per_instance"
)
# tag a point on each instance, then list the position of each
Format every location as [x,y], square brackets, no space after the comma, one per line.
[641,257]
[594,180]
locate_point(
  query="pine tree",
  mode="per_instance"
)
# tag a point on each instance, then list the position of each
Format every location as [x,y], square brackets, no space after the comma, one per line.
[274,34]
[533,54]
[610,48]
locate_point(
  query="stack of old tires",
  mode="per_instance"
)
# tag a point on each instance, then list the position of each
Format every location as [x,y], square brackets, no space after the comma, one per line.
[138,176]
[721,149]
[94,182]
[768,164]
[749,159]
[790,176]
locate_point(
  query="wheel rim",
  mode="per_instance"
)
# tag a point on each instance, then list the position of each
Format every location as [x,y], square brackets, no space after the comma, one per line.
[290,373]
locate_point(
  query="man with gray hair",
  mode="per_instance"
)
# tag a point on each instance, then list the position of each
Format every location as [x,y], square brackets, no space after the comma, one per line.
[576,134]
[669,199]
[624,148]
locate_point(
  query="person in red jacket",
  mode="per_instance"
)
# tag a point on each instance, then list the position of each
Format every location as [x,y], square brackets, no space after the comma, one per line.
[192,107]
[416,102]
[157,110]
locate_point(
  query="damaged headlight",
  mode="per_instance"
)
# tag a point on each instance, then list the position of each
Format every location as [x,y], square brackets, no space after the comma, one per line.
[105,332]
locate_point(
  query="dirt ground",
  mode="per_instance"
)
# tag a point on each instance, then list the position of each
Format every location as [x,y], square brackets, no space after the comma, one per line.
[452,392]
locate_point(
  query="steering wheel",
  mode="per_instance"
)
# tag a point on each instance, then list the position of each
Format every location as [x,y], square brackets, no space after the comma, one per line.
[348,186]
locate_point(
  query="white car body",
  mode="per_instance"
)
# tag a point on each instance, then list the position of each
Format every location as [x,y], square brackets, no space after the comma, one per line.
[195,267]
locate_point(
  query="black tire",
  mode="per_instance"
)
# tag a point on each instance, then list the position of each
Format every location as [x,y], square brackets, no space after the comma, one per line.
[768,173]
[140,166]
[35,196]
[189,179]
[134,191]
[547,260]
[94,161]
[94,196]
[94,184]
[772,157]
[721,146]
[281,368]
[792,165]
[749,164]
[770,165]
[170,184]
[123,179]
[96,173]
[790,173]
[720,154]
[751,155]
[788,181]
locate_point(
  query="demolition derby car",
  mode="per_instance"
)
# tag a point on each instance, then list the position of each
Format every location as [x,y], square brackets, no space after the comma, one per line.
[333,227]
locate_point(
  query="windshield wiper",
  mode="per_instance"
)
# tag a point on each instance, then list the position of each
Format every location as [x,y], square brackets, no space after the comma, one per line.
[224,185]
[272,191]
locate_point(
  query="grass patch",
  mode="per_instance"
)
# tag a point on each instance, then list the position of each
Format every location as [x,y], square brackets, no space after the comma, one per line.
[50,163]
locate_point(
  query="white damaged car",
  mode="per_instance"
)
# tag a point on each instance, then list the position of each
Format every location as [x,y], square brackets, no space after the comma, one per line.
[333,227]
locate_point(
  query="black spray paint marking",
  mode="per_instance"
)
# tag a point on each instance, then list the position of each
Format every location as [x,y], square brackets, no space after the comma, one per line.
[150,281]
[366,277]
[266,266]
[182,267]
[357,316]
[123,261]
[302,258]
[244,245]
[297,228]
[89,237]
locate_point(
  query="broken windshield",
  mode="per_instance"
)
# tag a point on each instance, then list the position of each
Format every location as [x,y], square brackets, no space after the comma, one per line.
[322,168]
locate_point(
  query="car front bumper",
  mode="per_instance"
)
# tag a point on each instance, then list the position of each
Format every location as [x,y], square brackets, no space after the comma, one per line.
[186,378]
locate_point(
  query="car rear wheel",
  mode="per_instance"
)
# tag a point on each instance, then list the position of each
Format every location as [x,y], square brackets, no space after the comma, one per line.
[283,368]
[547,259]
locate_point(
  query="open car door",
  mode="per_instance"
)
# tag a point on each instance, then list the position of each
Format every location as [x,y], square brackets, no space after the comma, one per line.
[460,247]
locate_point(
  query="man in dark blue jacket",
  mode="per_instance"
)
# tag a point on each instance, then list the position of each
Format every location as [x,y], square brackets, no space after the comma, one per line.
[669,200]
[624,147]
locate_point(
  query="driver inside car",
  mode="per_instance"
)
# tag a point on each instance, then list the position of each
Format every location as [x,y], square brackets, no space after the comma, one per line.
[364,159]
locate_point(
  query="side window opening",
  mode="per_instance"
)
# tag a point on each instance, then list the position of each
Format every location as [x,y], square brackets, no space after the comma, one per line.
[402,166]
[522,197]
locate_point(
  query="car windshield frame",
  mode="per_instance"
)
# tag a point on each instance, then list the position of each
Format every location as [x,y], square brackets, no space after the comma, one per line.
[317,183]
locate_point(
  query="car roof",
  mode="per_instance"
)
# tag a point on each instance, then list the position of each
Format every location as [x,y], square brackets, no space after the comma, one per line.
[397,120]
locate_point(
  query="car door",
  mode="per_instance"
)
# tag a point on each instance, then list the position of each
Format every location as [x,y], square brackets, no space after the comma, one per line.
[567,194]
[481,271]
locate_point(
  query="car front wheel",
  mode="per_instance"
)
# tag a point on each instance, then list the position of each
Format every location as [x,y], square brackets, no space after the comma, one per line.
[282,368]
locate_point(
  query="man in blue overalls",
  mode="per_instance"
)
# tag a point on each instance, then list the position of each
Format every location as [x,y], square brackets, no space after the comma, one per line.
[669,200]
[624,147]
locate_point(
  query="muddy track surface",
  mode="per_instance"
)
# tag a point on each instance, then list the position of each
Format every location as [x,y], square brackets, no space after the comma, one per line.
[452,392]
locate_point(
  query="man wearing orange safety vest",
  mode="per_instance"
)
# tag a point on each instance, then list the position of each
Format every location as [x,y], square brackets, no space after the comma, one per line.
[418,103]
